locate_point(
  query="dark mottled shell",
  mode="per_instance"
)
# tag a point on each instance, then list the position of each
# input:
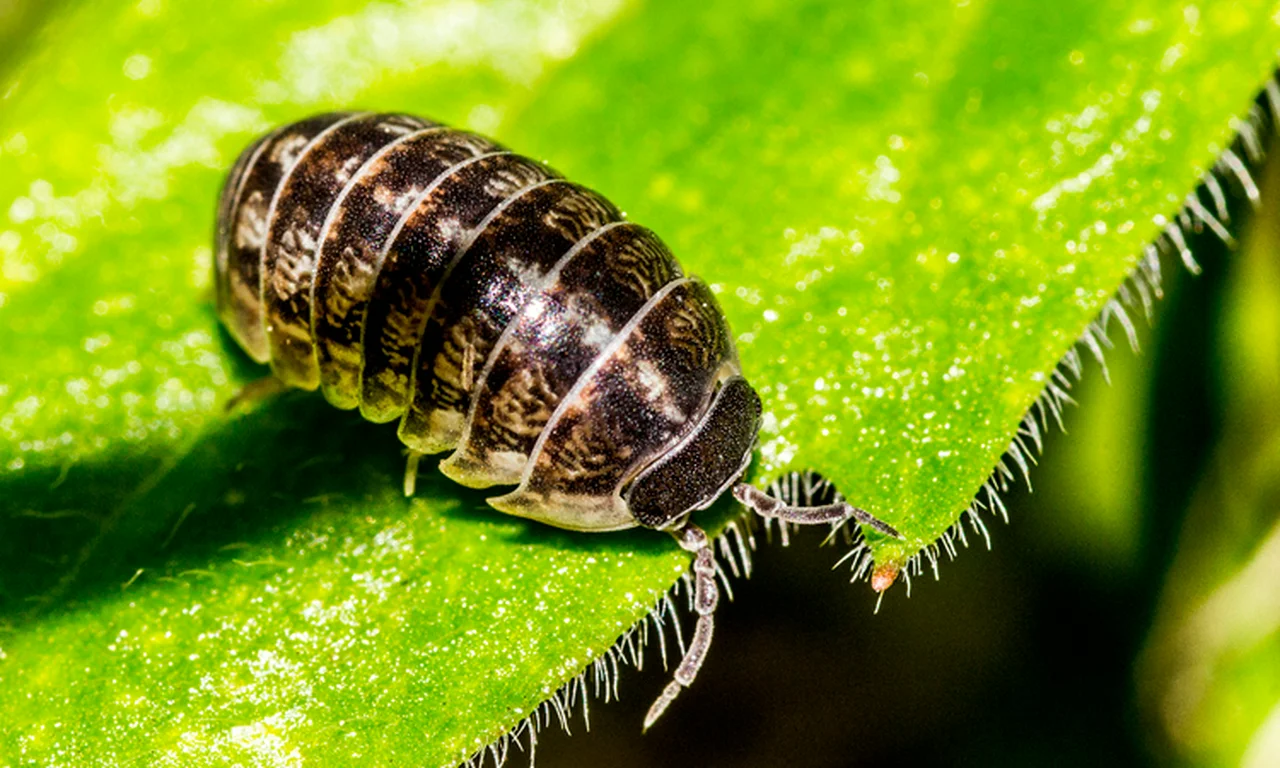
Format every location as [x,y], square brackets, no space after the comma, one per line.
[500,312]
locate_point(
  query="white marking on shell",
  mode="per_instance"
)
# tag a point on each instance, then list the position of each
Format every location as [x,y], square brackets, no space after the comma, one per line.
[251,224]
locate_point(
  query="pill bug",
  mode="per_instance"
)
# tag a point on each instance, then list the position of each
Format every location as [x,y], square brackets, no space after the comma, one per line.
[498,311]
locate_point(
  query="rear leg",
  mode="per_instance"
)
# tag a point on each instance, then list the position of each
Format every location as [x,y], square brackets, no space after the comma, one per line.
[256,391]
[411,472]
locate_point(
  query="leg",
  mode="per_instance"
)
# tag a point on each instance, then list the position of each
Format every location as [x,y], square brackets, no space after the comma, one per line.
[411,472]
[765,505]
[705,597]
[255,392]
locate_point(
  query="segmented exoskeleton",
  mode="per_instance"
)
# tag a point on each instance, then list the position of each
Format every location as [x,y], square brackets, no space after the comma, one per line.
[500,312]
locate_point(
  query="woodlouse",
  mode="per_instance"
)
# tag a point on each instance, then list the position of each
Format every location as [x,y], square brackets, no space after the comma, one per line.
[499,311]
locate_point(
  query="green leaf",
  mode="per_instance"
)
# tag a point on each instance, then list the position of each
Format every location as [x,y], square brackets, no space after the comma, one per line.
[910,211]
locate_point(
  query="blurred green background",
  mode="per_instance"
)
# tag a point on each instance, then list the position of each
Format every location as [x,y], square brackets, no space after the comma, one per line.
[1129,614]
[18,20]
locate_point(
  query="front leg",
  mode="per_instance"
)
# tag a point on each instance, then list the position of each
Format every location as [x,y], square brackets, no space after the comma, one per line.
[767,506]
[706,595]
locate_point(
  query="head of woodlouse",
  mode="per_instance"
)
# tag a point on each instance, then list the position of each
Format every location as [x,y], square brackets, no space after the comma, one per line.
[702,466]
